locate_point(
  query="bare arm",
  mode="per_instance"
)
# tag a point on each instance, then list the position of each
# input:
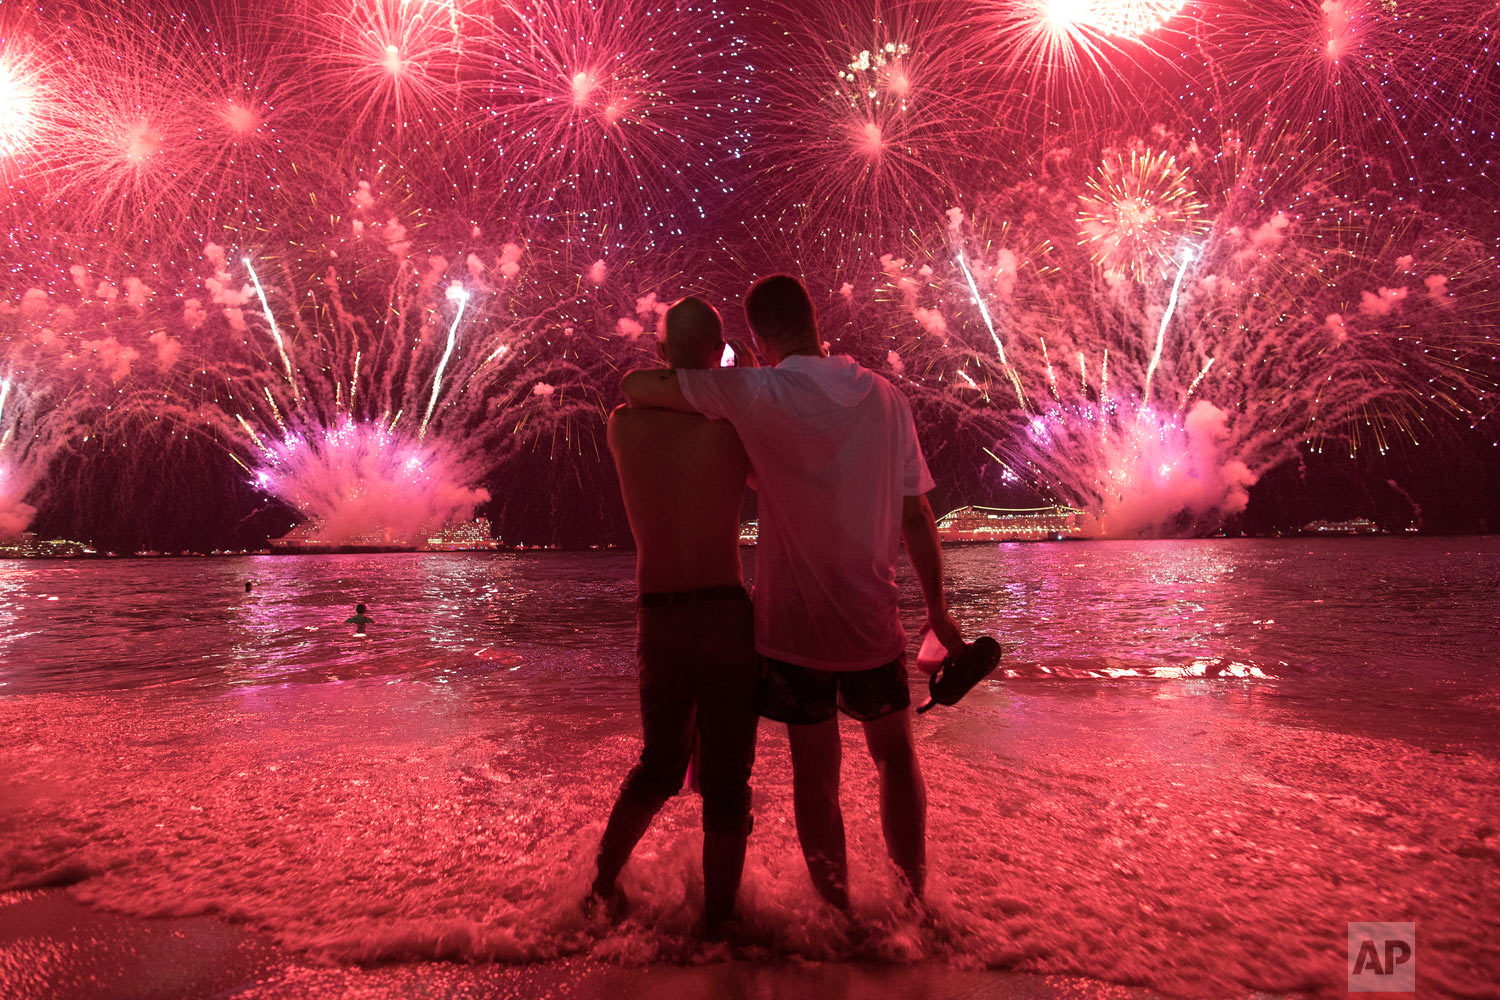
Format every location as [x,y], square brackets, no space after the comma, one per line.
[919,530]
[656,388]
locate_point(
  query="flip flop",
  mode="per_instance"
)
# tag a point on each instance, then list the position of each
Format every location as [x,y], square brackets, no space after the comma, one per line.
[960,673]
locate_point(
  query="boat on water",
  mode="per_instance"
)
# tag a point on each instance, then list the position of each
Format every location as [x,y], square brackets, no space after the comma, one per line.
[1352,526]
[30,546]
[457,536]
[1010,524]
[988,524]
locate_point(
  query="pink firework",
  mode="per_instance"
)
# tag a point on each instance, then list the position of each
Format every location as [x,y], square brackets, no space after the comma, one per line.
[391,67]
[372,384]
[80,351]
[100,337]
[123,150]
[29,104]
[1304,320]
[40,417]
[1123,18]
[1470,91]
[165,125]
[1139,214]
[20,103]
[868,123]
[260,124]
[1370,74]
[21,463]
[1081,56]
[614,113]
[364,482]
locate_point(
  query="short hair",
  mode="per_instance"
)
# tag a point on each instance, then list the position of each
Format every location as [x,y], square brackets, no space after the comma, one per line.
[693,334]
[781,312]
[359,609]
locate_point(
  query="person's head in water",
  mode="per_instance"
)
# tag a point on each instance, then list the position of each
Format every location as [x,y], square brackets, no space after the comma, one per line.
[359,609]
[691,335]
[782,316]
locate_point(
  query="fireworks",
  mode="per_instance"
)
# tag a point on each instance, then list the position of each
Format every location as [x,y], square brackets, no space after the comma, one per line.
[376,395]
[1074,29]
[27,104]
[1139,215]
[1079,56]
[1376,75]
[15,480]
[388,252]
[33,429]
[613,114]
[1303,323]
[358,480]
[142,153]
[18,107]
[1125,18]
[391,64]
[865,126]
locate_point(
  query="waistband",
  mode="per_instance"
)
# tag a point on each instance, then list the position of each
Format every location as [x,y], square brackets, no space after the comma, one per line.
[673,598]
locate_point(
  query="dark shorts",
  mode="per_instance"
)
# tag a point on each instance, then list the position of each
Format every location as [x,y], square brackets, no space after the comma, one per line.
[802,696]
[698,673]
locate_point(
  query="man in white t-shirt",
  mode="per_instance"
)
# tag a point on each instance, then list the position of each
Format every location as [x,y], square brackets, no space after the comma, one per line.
[841,482]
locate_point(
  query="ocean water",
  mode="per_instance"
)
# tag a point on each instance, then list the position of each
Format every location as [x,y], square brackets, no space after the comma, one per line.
[1204,760]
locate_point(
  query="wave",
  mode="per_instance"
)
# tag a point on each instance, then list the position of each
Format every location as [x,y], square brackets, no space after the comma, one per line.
[1164,841]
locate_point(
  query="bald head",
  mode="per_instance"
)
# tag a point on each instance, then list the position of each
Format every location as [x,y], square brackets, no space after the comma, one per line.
[693,334]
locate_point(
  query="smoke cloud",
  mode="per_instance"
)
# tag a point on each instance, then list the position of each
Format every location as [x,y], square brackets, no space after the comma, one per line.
[15,515]
[366,484]
[1174,476]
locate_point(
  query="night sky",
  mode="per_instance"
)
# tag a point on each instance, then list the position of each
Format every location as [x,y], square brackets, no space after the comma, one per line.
[955,181]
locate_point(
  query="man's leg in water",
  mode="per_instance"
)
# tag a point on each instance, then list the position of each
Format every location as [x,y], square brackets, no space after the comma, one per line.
[727,726]
[903,795]
[816,754]
[667,725]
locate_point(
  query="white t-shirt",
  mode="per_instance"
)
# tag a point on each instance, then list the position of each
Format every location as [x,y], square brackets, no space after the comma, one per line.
[834,450]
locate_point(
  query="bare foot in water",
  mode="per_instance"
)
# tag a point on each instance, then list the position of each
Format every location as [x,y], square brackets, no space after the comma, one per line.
[733,931]
[725,931]
[611,906]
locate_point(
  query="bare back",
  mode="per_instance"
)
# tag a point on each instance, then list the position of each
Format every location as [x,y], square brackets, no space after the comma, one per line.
[683,477]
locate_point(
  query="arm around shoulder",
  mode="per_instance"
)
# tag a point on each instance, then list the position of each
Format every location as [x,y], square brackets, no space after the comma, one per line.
[655,387]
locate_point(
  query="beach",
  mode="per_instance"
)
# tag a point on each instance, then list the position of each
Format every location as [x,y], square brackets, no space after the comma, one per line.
[1204,760]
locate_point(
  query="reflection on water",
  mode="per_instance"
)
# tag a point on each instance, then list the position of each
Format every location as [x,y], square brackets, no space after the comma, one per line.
[1396,609]
[1207,758]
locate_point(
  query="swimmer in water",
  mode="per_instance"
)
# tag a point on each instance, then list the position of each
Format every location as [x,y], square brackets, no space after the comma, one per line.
[359,619]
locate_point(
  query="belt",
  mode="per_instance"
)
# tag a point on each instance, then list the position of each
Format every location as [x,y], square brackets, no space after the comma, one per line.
[673,598]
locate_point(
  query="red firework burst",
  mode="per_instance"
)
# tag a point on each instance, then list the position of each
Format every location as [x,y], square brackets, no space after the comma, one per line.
[867,123]
[28,100]
[20,97]
[1081,56]
[1139,214]
[391,66]
[1367,73]
[164,124]
[611,113]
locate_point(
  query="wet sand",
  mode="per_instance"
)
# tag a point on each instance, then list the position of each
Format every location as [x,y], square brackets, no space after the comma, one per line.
[52,948]
[258,806]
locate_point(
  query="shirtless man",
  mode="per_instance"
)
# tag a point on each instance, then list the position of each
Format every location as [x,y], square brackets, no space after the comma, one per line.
[683,478]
